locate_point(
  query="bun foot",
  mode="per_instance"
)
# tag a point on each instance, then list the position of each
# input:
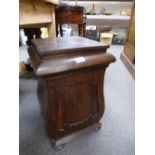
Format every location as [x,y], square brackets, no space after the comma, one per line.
[98,128]
[59,147]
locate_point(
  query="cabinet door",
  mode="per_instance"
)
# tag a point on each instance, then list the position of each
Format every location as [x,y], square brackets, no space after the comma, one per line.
[78,100]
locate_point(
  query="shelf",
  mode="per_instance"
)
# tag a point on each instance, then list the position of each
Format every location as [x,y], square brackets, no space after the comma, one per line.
[108,17]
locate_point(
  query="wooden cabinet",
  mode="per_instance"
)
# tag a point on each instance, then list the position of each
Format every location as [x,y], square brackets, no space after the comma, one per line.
[128,54]
[70,89]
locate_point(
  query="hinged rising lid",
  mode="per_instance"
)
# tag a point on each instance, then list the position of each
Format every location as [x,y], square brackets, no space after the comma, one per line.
[56,55]
[75,44]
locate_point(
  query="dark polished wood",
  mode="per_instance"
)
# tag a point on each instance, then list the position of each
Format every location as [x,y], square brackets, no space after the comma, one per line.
[65,14]
[70,88]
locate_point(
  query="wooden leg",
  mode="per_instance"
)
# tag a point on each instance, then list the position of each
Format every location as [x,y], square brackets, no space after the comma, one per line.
[51,30]
[61,31]
[57,30]
[84,29]
[80,29]
[51,26]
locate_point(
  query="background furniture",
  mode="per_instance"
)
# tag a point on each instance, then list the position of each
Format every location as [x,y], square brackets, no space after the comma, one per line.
[105,34]
[115,20]
[70,88]
[128,54]
[36,14]
[65,14]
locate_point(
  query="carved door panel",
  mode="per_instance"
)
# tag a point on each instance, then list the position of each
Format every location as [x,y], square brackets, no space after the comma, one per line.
[78,99]
[81,103]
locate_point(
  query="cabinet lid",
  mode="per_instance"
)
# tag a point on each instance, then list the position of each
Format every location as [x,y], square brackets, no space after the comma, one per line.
[54,46]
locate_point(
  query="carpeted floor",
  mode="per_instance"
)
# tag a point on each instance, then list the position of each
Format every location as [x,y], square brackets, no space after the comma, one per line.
[117,134]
